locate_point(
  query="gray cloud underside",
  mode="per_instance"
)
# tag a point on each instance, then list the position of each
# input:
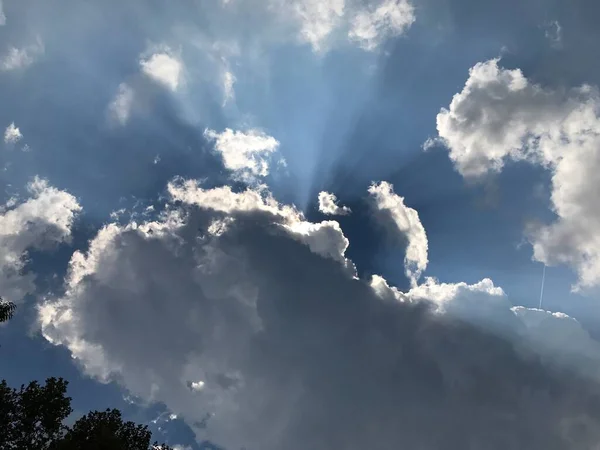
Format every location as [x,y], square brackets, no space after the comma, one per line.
[223,309]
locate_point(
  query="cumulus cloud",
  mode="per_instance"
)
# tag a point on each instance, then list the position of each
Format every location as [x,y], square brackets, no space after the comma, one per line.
[381,21]
[20,58]
[12,134]
[328,23]
[245,153]
[328,205]
[500,115]
[120,108]
[164,68]
[402,222]
[42,221]
[257,338]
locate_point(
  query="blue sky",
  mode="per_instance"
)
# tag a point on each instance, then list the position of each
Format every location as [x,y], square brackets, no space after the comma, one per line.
[164,239]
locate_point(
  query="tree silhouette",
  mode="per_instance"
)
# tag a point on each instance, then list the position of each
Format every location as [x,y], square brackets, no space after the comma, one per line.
[7,310]
[32,418]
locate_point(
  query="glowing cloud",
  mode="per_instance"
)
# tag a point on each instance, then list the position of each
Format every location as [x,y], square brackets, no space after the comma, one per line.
[378,22]
[253,310]
[500,116]
[328,205]
[404,223]
[12,134]
[40,222]
[163,68]
[245,153]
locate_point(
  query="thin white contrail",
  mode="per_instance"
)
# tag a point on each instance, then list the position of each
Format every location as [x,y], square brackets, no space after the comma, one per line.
[542,290]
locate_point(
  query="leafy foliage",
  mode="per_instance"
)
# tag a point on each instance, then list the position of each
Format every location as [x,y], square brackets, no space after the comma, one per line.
[32,418]
[7,309]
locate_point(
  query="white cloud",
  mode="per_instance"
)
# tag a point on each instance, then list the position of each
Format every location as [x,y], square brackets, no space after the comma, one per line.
[12,134]
[120,108]
[389,18]
[223,310]
[20,58]
[500,116]
[163,68]
[326,24]
[556,337]
[245,153]
[402,222]
[325,238]
[318,19]
[40,222]
[228,91]
[553,32]
[328,205]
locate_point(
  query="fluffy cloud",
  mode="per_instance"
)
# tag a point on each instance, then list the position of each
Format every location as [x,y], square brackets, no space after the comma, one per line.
[42,221]
[164,68]
[245,153]
[225,310]
[328,205]
[120,108]
[19,58]
[12,134]
[318,19]
[500,116]
[327,24]
[381,21]
[404,223]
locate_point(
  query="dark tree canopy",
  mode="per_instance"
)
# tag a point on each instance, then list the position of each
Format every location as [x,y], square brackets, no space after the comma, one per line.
[32,418]
[7,310]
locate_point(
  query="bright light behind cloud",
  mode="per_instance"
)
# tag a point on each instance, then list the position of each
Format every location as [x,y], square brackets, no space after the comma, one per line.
[218,273]
[254,313]
[402,221]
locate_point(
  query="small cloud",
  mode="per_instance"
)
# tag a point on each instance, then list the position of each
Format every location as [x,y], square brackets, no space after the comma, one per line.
[553,32]
[244,153]
[163,68]
[156,159]
[120,108]
[12,134]
[372,26]
[432,143]
[328,205]
[228,82]
[402,222]
[195,386]
[19,58]
[318,19]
